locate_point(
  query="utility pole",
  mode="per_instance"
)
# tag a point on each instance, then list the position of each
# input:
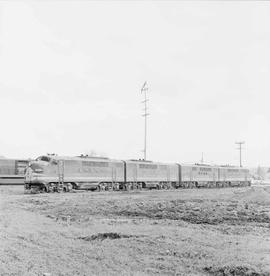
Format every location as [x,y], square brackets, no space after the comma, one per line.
[145,115]
[202,159]
[240,150]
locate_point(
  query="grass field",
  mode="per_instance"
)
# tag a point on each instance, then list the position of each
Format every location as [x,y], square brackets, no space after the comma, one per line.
[174,232]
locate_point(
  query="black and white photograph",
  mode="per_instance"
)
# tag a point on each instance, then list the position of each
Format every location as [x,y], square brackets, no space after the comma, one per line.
[134,137]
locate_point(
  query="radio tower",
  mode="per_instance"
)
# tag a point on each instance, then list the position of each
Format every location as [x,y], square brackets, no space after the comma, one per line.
[145,115]
[240,150]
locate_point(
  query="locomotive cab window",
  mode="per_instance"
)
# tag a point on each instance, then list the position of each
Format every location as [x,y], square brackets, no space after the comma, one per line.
[44,158]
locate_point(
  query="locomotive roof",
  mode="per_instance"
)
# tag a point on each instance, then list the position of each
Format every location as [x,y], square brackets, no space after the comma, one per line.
[212,166]
[148,162]
[198,165]
[78,158]
[100,159]
[105,159]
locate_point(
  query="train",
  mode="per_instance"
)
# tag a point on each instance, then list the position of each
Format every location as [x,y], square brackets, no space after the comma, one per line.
[12,171]
[50,173]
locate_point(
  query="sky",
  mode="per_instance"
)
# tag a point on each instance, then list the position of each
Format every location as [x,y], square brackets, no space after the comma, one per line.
[71,74]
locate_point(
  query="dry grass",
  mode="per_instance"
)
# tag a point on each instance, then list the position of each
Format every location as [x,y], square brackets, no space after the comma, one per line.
[182,232]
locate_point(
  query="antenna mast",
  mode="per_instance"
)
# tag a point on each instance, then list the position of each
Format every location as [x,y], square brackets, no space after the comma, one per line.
[145,115]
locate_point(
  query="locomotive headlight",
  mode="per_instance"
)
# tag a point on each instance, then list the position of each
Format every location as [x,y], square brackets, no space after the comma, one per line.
[38,170]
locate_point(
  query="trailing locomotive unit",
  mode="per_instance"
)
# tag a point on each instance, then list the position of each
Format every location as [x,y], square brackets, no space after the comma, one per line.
[196,176]
[53,173]
[205,176]
[12,171]
[147,174]
[234,176]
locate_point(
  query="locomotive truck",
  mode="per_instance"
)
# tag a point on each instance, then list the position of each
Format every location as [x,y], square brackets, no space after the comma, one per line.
[58,173]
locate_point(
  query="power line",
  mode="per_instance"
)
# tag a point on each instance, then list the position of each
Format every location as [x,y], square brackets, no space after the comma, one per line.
[145,115]
[240,151]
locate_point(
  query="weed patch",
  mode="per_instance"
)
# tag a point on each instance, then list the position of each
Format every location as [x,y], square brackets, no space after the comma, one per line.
[103,236]
[233,270]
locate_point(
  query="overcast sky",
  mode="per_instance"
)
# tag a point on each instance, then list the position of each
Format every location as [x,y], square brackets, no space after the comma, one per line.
[71,73]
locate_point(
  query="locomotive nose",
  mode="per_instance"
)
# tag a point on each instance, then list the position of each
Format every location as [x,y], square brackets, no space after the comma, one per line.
[36,167]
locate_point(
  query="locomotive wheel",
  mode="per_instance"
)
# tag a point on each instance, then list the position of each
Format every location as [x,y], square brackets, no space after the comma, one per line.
[98,189]
[69,187]
[33,190]
[46,189]
[102,187]
[127,187]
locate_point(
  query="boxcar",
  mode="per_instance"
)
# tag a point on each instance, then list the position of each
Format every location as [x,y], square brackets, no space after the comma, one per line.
[12,171]
[151,174]
[198,176]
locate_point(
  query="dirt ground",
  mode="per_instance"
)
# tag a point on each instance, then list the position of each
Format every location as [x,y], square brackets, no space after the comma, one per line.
[175,232]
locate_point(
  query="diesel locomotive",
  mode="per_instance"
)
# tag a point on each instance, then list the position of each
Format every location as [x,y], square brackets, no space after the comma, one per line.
[57,173]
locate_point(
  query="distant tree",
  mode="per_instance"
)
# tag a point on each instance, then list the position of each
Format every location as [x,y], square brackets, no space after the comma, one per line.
[260,172]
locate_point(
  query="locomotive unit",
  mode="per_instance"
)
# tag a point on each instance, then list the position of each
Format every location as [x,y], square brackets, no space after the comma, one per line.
[55,173]
[233,176]
[198,176]
[12,171]
[147,174]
